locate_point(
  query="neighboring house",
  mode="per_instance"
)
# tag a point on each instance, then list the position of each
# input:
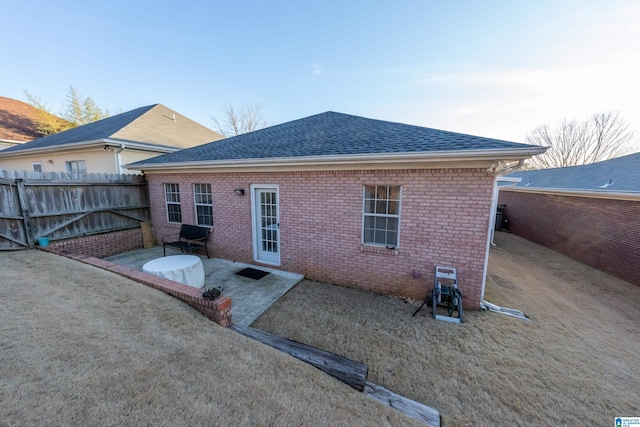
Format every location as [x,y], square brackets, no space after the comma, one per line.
[590,213]
[343,199]
[621,174]
[104,146]
[17,122]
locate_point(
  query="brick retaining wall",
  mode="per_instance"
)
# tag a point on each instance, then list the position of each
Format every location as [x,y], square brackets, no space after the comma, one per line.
[102,245]
[88,250]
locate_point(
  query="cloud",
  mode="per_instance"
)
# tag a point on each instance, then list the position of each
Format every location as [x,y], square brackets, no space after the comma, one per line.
[508,102]
[594,69]
[316,68]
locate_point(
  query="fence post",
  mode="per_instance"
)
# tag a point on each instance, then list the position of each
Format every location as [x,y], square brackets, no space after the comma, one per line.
[25,212]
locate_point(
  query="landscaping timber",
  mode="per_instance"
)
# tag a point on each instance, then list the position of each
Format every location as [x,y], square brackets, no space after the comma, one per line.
[346,370]
[409,407]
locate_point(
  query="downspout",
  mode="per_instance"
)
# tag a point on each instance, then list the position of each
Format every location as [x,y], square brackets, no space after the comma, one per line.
[119,158]
[496,194]
[486,305]
[509,169]
[499,169]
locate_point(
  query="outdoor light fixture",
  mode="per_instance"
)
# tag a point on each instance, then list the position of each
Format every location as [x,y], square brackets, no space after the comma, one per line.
[239,191]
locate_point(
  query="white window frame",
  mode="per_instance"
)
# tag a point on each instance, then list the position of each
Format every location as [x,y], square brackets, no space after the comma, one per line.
[71,163]
[172,188]
[37,164]
[386,214]
[197,201]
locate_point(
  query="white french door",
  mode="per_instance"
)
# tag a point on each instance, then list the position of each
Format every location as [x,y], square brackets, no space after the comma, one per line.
[266,223]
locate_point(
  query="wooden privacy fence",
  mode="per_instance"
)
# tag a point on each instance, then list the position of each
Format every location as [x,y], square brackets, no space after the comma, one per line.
[60,206]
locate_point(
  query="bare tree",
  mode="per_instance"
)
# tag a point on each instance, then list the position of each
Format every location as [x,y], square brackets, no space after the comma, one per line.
[236,122]
[603,136]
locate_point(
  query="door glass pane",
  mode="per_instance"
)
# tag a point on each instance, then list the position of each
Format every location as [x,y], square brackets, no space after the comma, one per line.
[269,221]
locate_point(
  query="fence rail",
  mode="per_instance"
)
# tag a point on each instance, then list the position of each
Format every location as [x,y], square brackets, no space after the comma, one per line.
[62,206]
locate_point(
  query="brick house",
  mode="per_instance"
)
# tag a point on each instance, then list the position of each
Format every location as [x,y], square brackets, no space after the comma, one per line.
[343,199]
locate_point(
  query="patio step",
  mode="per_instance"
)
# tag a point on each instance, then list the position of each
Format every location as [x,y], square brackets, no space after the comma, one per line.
[346,370]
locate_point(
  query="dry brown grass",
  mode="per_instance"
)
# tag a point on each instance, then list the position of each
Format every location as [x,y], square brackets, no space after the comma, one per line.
[81,346]
[576,363]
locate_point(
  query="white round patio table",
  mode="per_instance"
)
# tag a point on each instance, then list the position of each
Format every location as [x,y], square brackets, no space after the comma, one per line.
[187,269]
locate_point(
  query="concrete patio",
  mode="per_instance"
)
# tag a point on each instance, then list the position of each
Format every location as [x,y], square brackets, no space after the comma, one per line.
[250,298]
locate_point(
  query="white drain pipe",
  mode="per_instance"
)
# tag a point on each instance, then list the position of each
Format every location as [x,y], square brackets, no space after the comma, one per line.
[486,305]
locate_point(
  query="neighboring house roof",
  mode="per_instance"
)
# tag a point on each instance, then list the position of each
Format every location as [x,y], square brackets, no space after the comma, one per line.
[333,135]
[621,174]
[154,125]
[17,121]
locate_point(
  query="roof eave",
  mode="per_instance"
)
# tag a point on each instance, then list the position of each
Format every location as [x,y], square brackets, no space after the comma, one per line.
[74,146]
[142,146]
[389,160]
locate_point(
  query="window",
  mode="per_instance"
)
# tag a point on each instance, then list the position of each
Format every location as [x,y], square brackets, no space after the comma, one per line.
[37,166]
[204,204]
[76,167]
[172,196]
[381,215]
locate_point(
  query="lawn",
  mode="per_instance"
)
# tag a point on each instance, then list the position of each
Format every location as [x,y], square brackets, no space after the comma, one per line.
[82,346]
[79,345]
[576,363]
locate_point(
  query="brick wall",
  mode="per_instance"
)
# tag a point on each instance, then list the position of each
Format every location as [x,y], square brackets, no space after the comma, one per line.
[444,221]
[601,232]
[103,245]
[218,310]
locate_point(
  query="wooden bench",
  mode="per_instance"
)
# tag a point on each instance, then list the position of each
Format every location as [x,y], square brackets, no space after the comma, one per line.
[190,237]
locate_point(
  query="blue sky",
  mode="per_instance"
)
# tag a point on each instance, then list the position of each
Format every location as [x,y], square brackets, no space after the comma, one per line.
[491,68]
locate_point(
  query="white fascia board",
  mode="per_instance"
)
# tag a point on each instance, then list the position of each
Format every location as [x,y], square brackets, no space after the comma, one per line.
[392,160]
[55,148]
[142,146]
[618,195]
[96,143]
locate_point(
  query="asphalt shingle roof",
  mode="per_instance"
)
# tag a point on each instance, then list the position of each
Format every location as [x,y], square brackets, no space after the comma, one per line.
[18,120]
[153,124]
[101,129]
[621,174]
[332,134]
